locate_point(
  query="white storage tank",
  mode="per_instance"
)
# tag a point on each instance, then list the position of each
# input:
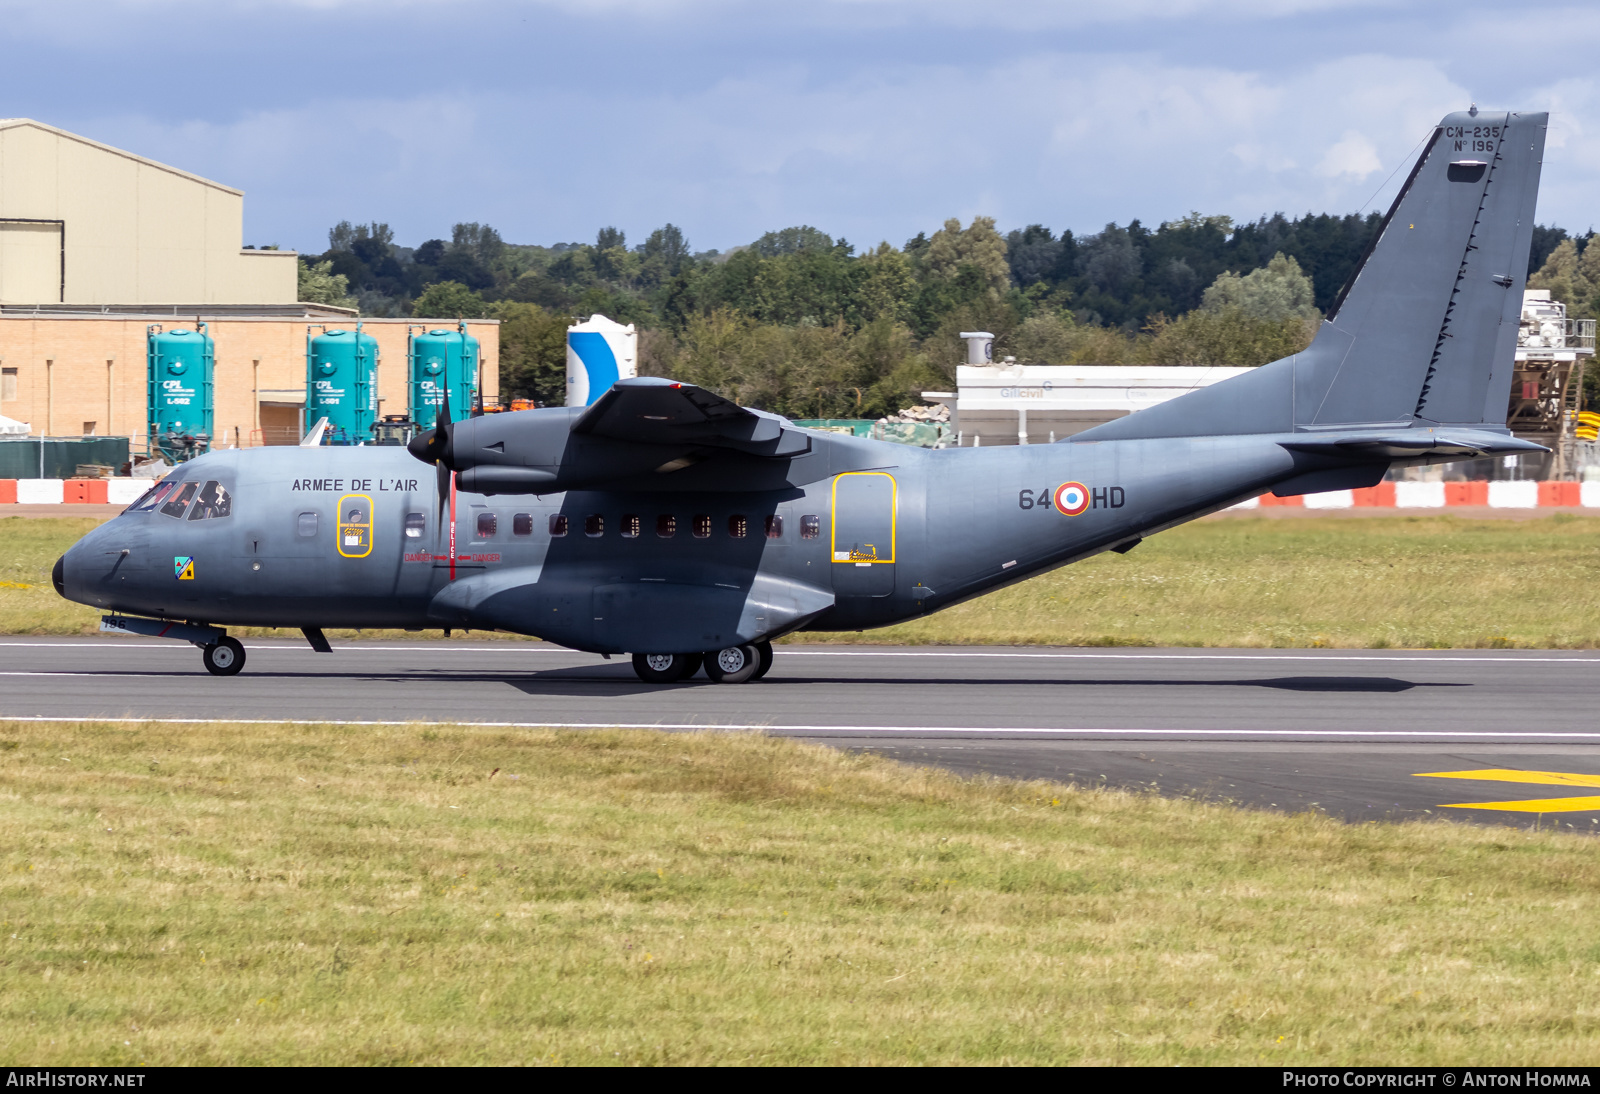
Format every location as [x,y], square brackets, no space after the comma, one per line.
[599,353]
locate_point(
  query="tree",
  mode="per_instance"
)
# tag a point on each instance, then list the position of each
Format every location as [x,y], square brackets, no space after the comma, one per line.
[533,353]
[978,246]
[792,241]
[318,284]
[1277,292]
[668,244]
[1225,337]
[1110,260]
[1032,254]
[449,300]
[888,287]
[479,240]
[1573,277]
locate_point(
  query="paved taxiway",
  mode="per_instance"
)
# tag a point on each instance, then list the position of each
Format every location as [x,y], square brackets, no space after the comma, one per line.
[1343,731]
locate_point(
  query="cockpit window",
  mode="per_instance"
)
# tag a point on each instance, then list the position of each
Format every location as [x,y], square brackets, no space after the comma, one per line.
[180,501]
[214,501]
[153,497]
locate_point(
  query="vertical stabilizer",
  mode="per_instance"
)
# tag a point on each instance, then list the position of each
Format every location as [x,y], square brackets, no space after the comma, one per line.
[1430,317]
[1425,329]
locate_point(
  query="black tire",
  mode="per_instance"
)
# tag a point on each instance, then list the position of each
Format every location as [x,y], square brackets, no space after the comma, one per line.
[734,665]
[764,650]
[665,668]
[225,657]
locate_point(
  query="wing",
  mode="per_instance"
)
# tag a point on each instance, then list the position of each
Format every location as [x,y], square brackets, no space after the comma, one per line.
[652,410]
[646,434]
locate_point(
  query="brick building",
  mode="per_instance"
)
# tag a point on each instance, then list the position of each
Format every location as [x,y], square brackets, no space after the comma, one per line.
[98,244]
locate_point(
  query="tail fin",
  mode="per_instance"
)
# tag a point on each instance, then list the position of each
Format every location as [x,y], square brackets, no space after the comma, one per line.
[1424,332]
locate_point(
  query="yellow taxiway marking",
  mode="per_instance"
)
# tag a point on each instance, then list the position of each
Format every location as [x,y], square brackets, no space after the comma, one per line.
[1576,804]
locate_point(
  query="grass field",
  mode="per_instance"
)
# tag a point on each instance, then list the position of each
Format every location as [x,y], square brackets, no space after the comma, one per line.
[1401,581]
[193,894]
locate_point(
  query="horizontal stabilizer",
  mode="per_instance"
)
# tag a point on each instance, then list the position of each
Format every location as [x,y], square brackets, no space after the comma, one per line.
[1414,445]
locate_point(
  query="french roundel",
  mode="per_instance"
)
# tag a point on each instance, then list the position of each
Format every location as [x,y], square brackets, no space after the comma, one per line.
[1072,498]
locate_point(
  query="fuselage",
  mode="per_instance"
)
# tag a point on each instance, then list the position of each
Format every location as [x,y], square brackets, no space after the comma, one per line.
[361,537]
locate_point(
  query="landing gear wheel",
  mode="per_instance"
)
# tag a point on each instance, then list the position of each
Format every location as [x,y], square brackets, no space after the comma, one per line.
[224,657]
[764,651]
[734,665]
[665,668]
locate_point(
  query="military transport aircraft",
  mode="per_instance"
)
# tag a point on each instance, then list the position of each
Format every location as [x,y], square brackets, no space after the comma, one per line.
[669,523]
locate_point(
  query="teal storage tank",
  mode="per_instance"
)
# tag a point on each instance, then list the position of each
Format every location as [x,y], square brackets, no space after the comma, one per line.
[441,359]
[180,375]
[341,383]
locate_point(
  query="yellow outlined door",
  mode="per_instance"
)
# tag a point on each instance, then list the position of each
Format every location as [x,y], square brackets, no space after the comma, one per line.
[862,542]
[355,526]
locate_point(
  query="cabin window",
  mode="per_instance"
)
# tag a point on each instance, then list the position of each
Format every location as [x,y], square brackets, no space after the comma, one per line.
[153,497]
[305,524]
[810,526]
[702,526]
[213,502]
[666,526]
[416,524]
[774,527]
[594,525]
[180,501]
[738,526]
[522,524]
[558,525]
[630,526]
[487,523]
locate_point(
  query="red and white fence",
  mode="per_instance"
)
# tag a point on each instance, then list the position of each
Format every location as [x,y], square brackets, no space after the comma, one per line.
[1442,495]
[72,491]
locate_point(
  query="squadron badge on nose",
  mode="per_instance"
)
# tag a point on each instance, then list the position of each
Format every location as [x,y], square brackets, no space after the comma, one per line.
[183,567]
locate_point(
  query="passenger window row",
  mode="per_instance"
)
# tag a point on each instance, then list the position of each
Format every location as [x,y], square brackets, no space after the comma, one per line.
[214,501]
[486,524]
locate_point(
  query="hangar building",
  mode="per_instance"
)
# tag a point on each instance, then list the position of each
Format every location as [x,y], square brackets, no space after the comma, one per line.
[97,245]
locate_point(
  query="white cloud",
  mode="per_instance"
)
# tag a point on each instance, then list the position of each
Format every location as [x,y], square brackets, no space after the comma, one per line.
[1353,155]
[1071,140]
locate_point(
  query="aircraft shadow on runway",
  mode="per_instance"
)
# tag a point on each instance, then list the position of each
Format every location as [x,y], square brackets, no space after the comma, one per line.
[556,681]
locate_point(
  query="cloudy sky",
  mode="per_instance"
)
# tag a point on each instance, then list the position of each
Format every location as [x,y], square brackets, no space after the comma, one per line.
[870,119]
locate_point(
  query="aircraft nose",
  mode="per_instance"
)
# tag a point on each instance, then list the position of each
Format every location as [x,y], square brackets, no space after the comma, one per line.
[58,576]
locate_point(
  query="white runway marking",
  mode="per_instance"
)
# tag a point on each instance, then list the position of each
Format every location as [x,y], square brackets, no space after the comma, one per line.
[1508,735]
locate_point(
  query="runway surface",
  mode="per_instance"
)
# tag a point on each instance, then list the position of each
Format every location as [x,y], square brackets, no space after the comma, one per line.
[1359,734]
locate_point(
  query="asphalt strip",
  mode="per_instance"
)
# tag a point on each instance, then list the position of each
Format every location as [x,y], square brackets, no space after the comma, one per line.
[789,651]
[1301,736]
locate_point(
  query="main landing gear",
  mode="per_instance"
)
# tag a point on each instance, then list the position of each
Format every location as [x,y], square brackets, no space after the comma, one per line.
[224,657]
[734,665]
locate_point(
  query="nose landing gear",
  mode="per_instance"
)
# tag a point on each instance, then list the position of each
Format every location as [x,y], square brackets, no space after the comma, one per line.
[224,657]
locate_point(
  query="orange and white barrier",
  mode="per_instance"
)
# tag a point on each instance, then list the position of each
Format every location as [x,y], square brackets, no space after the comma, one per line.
[72,491]
[1443,495]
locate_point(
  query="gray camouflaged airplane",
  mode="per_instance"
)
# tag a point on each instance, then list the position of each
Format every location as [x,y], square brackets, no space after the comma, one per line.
[669,523]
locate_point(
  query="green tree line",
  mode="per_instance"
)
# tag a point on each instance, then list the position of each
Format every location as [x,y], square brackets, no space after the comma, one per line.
[800,323]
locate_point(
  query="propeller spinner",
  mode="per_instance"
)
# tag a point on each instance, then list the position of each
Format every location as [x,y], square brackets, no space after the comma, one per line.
[434,447]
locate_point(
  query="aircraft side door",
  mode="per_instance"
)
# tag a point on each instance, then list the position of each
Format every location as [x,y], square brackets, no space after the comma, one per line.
[865,518]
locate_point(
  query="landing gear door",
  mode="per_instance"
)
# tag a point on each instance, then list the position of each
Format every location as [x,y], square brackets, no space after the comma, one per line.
[865,522]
